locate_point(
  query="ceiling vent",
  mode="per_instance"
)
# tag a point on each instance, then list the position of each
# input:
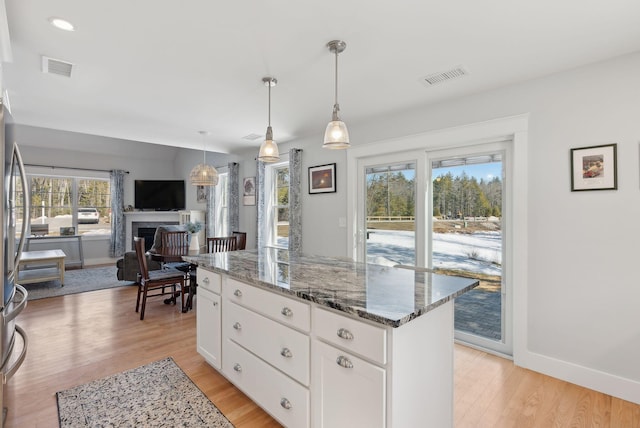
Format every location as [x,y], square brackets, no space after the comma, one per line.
[56,66]
[443,76]
[252,137]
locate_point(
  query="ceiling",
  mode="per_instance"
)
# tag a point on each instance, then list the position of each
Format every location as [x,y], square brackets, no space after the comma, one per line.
[160,71]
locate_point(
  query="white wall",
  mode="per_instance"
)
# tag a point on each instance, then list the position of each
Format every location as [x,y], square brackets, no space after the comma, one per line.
[580,300]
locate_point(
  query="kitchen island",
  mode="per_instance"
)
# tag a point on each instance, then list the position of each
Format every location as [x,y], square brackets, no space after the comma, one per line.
[328,342]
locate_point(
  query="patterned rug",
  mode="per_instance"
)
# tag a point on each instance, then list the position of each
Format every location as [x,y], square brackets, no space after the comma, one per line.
[76,281]
[155,395]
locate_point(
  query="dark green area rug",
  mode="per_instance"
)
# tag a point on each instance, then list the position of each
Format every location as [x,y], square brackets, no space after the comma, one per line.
[77,281]
[158,394]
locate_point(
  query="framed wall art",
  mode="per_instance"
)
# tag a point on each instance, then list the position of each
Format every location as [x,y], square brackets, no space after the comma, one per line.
[201,194]
[322,178]
[594,168]
[249,191]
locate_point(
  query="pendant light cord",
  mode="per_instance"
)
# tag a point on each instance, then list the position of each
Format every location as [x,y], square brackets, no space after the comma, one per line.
[269,118]
[336,103]
[204,147]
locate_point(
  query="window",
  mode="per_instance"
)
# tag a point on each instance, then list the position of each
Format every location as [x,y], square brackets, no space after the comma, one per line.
[221,225]
[277,210]
[69,205]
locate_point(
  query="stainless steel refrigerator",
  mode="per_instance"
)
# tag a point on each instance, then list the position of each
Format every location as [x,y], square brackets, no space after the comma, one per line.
[15,214]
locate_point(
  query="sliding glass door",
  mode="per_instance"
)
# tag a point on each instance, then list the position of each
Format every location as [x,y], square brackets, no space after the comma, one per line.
[467,200]
[446,210]
[389,205]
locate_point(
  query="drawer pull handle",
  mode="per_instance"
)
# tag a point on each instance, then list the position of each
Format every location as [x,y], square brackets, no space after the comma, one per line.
[237,326]
[237,293]
[215,304]
[237,368]
[344,362]
[286,312]
[286,352]
[345,334]
[285,403]
[206,280]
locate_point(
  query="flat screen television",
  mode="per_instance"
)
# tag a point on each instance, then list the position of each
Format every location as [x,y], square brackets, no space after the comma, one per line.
[159,195]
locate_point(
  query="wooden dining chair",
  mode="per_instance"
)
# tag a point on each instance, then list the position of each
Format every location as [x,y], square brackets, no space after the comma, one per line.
[175,244]
[156,281]
[221,244]
[241,238]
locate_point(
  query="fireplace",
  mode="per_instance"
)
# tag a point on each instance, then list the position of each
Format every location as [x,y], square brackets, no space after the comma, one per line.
[147,233]
[147,230]
[150,219]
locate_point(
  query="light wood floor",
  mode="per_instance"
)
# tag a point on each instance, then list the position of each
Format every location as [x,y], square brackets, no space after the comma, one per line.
[78,338]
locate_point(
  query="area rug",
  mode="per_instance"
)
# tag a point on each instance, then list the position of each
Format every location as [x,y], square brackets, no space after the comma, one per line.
[76,281]
[155,395]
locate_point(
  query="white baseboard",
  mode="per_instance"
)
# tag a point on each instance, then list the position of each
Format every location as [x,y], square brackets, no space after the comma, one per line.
[597,380]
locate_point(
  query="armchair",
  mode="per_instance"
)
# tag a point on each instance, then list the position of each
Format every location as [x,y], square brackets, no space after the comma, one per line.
[128,267]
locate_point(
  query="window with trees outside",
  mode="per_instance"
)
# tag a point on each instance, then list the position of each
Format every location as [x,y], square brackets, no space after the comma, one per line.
[221,227]
[69,205]
[277,210]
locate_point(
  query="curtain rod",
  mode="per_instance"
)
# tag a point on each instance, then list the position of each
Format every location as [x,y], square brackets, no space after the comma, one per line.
[68,167]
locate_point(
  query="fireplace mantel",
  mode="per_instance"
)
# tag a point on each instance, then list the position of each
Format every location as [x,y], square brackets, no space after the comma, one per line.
[168,217]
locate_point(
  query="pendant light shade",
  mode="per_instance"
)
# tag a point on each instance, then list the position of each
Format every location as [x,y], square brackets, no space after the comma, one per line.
[203,174]
[269,149]
[336,136]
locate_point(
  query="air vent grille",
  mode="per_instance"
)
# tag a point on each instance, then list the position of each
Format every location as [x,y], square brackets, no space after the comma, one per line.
[56,66]
[443,76]
[252,137]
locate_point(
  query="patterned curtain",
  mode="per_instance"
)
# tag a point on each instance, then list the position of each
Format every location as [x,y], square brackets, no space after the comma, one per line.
[117,246]
[261,207]
[295,205]
[233,197]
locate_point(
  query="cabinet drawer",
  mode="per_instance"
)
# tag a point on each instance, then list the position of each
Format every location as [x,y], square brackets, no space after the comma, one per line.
[272,304]
[282,397]
[282,347]
[353,335]
[208,280]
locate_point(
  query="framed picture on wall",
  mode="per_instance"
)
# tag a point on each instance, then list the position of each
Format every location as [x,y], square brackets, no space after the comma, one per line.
[322,178]
[594,168]
[201,194]
[249,191]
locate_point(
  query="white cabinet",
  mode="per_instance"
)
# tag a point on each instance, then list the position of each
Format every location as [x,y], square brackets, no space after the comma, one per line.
[308,365]
[266,350]
[285,399]
[208,320]
[350,392]
[280,346]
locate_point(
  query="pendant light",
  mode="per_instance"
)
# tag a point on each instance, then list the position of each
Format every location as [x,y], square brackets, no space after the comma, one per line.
[203,174]
[269,148]
[336,135]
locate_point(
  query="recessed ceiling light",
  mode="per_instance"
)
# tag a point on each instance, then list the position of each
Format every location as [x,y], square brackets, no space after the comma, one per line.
[62,24]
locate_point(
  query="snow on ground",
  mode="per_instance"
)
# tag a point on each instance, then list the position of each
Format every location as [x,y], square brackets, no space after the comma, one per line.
[477,252]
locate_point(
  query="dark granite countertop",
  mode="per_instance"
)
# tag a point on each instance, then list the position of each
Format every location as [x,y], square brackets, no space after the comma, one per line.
[386,295]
